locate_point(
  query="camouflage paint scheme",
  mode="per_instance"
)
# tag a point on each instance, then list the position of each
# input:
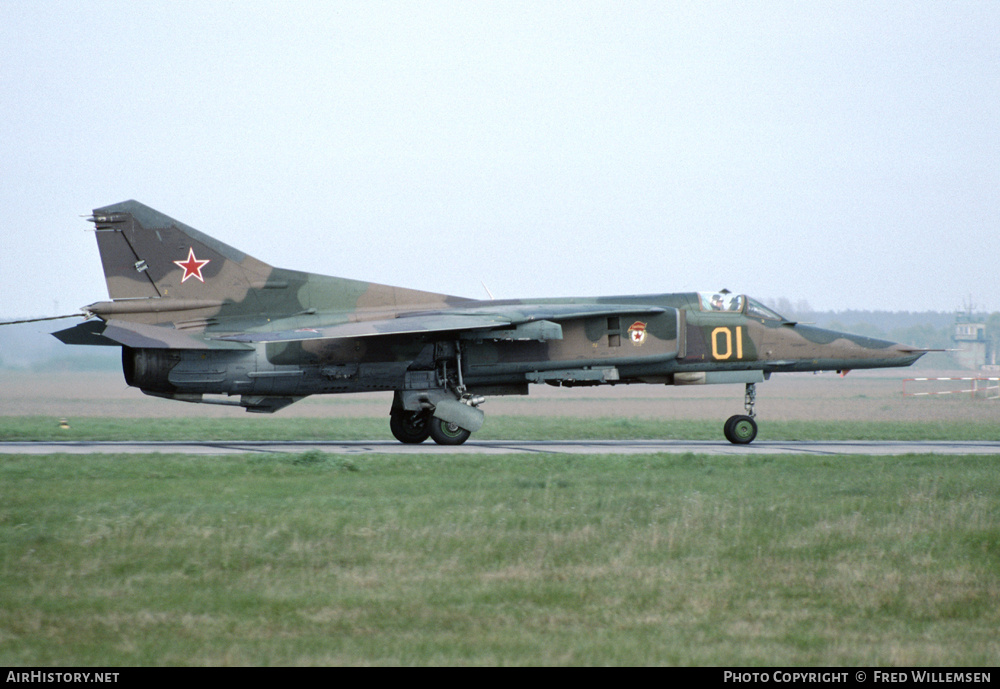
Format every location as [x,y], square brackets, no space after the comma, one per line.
[196,317]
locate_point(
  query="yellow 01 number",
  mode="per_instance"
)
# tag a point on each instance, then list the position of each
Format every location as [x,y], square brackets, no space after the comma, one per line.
[722,343]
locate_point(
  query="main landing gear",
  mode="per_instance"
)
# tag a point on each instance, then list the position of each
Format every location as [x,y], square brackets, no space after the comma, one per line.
[741,429]
[446,433]
[435,403]
[410,427]
[413,427]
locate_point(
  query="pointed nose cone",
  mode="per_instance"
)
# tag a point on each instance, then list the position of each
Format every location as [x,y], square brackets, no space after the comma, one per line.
[832,350]
[906,355]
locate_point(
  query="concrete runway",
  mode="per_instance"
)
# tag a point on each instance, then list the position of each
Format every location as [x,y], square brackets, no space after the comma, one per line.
[503,447]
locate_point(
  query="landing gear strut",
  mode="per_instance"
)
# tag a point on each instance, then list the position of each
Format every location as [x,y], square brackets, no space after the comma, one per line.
[436,404]
[742,429]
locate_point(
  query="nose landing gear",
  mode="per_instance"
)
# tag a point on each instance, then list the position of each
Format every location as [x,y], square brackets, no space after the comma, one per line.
[741,429]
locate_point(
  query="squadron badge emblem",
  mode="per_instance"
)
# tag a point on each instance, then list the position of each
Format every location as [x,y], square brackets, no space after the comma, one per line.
[637,333]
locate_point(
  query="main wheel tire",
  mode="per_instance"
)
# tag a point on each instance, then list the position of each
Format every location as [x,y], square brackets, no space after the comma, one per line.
[740,429]
[410,427]
[445,433]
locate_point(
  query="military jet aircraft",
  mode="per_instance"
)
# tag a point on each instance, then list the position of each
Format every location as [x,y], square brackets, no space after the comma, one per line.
[200,321]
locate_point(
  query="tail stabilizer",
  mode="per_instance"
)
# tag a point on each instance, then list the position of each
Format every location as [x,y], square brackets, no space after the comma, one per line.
[159,271]
[147,254]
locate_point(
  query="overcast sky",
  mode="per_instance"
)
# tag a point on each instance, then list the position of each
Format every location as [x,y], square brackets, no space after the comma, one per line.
[842,153]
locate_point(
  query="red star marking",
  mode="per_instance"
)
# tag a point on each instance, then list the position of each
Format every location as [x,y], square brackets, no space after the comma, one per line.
[192,266]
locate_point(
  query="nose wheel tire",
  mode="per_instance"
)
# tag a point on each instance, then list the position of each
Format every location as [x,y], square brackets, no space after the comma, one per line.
[740,429]
[445,433]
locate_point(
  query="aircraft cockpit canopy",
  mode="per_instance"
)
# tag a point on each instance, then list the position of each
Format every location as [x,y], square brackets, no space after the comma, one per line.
[725,301]
[757,310]
[721,301]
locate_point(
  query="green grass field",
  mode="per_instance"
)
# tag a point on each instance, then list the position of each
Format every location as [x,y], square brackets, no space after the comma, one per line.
[254,427]
[522,560]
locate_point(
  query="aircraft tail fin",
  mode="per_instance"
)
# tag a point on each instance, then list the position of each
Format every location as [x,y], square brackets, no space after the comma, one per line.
[159,270]
[147,254]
